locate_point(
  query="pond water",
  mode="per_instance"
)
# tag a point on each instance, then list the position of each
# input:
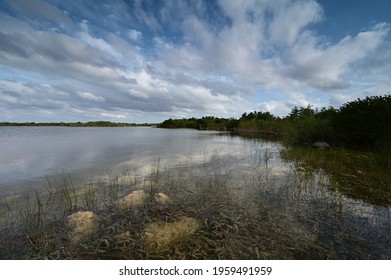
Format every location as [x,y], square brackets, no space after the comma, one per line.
[31,154]
[302,205]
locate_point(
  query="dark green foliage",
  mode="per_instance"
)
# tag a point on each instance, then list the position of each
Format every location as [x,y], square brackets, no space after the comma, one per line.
[310,130]
[204,123]
[302,113]
[170,123]
[364,122]
[306,125]
[361,124]
[260,122]
[383,153]
[257,116]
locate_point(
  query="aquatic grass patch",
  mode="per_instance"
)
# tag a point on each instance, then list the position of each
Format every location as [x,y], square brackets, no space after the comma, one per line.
[382,153]
[62,191]
[357,174]
[251,210]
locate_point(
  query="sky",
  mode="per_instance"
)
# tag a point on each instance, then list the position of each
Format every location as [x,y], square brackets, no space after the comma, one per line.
[147,60]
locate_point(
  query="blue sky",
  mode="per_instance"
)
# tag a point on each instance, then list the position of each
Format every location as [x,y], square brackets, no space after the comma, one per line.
[147,61]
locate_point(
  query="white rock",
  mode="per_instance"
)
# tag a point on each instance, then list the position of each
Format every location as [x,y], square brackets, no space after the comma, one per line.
[162,198]
[81,225]
[135,198]
[321,145]
[301,169]
[160,234]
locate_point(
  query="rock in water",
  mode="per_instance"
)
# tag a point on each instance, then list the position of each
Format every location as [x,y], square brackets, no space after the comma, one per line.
[135,198]
[160,234]
[162,198]
[321,145]
[81,225]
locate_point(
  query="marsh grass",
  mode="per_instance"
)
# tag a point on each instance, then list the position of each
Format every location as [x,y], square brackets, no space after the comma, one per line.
[247,211]
[360,175]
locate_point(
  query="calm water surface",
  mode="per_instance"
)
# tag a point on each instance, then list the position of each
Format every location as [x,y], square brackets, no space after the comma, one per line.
[31,154]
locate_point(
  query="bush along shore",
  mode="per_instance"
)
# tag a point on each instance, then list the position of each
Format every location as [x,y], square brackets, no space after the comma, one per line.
[214,209]
[363,124]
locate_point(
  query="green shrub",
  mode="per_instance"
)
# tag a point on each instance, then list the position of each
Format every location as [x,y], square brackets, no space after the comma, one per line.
[364,122]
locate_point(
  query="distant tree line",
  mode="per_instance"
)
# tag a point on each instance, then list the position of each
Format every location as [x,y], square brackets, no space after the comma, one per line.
[204,123]
[74,124]
[363,123]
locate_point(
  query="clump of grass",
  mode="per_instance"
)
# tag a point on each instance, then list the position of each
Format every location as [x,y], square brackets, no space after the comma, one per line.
[34,222]
[89,197]
[357,174]
[382,154]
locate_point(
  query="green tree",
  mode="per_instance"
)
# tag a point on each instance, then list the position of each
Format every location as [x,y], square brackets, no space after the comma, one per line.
[305,125]
[364,122]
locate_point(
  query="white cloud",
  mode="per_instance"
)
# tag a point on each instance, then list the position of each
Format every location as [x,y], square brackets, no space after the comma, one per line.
[113,116]
[99,44]
[245,55]
[277,107]
[41,9]
[291,18]
[135,35]
[89,96]
[325,67]
[8,98]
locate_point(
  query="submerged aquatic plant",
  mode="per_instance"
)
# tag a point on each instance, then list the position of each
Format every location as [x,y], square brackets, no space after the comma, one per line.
[241,209]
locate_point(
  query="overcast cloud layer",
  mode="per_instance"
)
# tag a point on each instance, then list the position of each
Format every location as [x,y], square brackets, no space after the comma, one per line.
[146,61]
